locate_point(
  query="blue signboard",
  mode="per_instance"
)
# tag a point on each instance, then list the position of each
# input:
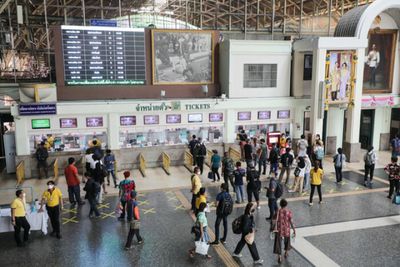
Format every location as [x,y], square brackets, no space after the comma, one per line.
[37,109]
[103,22]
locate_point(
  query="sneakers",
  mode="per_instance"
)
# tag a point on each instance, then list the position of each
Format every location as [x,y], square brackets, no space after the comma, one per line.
[128,248]
[140,242]
[310,204]
[223,241]
[260,261]
[237,255]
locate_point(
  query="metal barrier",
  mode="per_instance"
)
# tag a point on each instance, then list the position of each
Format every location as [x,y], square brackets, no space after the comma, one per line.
[208,158]
[166,162]
[20,173]
[55,169]
[142,165]
[188,161]
[234,154]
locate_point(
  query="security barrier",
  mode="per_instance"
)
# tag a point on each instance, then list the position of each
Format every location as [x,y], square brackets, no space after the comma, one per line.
[208,158]
[142,165]
[188,160]
[20,173]
[234,154]
[166,162]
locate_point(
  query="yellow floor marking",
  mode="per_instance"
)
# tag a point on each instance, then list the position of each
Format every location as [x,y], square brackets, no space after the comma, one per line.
[64,211]
[144,202]
[106,205]
[70,220]
[180,207]
[172,199]
[149,211]
[106,215]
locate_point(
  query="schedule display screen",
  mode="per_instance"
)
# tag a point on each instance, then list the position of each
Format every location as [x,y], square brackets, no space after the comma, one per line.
[103,55]
[244,116]
[151,119]
[176,118]
[69,123]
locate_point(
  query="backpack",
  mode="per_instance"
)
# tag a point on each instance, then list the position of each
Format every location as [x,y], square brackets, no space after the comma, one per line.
[297,171]
[320,153]
[41,154]
[229,166]
[237,225]
[368,159]
[227,205]
[98,153]
[278,190]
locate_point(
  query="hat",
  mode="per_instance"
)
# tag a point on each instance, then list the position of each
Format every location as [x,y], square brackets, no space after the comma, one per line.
[127,174]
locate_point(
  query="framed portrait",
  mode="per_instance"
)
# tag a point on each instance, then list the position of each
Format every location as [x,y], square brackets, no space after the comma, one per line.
[182,57]
[339,77]
[379,61]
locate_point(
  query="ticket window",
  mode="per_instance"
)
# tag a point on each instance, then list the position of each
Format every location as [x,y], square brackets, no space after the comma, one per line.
[261,130]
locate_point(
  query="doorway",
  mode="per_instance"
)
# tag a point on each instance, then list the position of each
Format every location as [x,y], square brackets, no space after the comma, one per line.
[367,128]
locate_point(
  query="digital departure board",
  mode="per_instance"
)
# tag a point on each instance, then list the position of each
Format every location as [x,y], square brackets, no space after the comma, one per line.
[103,55]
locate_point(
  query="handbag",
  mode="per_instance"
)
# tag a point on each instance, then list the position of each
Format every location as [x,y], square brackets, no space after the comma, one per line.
[135,224]
[396,199]
[210,175]
[249,238]
[201,247]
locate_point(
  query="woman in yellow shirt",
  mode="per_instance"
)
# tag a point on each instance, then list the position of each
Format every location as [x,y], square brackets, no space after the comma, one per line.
[201,198]
[316,181]
[53,199]
[18,213]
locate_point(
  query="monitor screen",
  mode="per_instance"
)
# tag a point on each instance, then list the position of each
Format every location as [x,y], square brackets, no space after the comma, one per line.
[215,117]
[283,114]
[151,119]
[127,120]
[69,123]
[94,122]
[273,140]
[41,124]
[173,118]
[264,115]
[197,117]
[244,116]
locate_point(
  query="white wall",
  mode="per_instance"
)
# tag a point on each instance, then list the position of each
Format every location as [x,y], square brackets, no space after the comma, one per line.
[381,124]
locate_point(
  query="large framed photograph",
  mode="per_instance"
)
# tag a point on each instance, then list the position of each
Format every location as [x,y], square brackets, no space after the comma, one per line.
[182,57]
[339,76]
[379,61]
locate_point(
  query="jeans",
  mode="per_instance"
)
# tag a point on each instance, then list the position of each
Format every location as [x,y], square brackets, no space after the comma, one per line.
[200,163]
[228,178]
[93,206]
[369,170]
[215,172]
[193,202]
[54,215]
[131,234]
[262,163]
[21,222]
[274,168]
[113,176]
[126,206]
[239,189]
[217,223]
[306,184]
[312,192]
[273,207]
[394,186]
[74,194]
[287,170]
[338,172]
[206,237]
[43,165]
[252,248]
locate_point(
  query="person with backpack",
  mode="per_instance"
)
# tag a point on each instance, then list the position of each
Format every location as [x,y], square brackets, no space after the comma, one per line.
[316,181]
[395,145]
[274,192]
[125,188]
[109,161]
[253,185]
[298,176]
[338,160]
[393,171]
[99,174]
[224,204]
[274,160]
[239,173]
[302,145]
[135,223]
[242,136]
[215,165]
[228,167]
[286,161]
[196,185]
[200,152]
[92,189]
[248,230]
[96,149]
[41,156]
[262,157]
[369,167]
[319,153]
[191,146]
[72,178]
[248,152]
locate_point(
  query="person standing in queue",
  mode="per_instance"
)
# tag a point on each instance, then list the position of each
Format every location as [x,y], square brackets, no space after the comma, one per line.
[74,190]
[224,204]
[135,224]
[239,173]
[370,159]
[200,152]
[125,188]
[228,167]
[262,157]
[99,175]
[284,220]
[41,156]
[192,145]
[248,234]
[92,189]
[316,181]
[109,161]
[196,185]
[338,160]
[18,219]
[287,161]
[52,197]
[215,164]
[248,152]
[253,185]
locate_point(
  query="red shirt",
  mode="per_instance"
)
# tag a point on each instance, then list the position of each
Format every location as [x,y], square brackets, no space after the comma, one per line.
[71,175]
[285,218]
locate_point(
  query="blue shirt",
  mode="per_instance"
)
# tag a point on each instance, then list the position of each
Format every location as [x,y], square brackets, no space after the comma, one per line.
[215,161]
[221,196]
[109,162]
[239,174]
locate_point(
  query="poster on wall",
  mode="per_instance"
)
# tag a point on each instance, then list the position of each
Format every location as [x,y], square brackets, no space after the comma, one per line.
[339,75]
[182,57]
[379,61]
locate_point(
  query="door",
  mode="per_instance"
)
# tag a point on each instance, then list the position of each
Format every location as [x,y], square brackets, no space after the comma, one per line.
[10,151]
[367,128]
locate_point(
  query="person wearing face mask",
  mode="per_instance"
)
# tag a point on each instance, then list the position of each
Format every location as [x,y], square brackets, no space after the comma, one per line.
[196,185]
[52,197]
[18,213]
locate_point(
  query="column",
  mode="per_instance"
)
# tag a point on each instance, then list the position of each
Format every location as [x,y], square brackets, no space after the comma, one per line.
[229,131]
[21,135]
[381,135]
[334,130]
[113,131]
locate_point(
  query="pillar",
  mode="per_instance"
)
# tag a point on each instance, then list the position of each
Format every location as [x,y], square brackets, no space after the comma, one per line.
[334,130]
[113,131]
[229,131]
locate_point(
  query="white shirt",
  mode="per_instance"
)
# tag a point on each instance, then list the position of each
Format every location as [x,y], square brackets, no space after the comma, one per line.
[89,159]
[373,58]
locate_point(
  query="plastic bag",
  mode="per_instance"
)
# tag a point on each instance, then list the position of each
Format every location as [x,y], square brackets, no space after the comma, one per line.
[201,247]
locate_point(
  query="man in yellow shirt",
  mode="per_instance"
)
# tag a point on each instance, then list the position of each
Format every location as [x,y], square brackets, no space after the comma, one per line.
[53,199]
[196,185]
[18,219]
[316,181]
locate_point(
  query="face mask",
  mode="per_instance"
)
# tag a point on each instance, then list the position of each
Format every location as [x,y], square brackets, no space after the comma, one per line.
[23,195]
[50,186]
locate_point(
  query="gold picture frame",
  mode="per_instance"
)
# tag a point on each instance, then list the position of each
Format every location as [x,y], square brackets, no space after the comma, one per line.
[187,71]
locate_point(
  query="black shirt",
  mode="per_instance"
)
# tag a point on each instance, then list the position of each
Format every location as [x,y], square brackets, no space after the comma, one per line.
[248,150]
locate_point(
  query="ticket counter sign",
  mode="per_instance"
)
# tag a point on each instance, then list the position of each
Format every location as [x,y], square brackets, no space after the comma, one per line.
[41,124]
[37,109]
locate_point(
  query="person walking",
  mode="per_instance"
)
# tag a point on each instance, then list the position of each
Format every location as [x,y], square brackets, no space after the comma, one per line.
[109,162]
[74,190]
[284,220]
[286,161]
[215,165]
[125,188]
[228,166]
[224,204]
[274,160]
[307,171]
[255,146]
[369,167]
[262,157]
[298,176]
[319,153]
[135,223]
[393,171]
[271,195]
[302,145]
[92,189]
[99,174]
[89,162]
[191,146]
[338,160]
[248,152]
[201,221]
[41,157]
[52,197]
[253,185]
[316,181]
[201,198]
[196,185]
[239,173]
[18,218]
[200,151]
[395,145]
[248,234]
